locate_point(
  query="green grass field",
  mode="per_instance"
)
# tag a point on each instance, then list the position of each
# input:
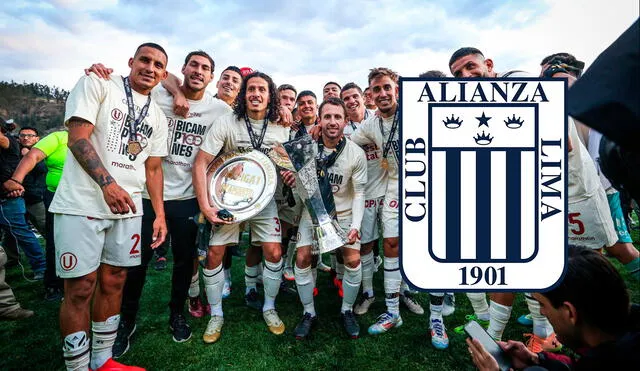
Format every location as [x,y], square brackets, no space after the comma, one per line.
[246,343]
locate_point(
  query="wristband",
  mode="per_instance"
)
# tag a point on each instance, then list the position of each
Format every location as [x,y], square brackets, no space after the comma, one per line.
[15,180]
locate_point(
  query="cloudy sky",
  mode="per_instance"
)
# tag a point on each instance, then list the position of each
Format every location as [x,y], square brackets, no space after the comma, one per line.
[305,43]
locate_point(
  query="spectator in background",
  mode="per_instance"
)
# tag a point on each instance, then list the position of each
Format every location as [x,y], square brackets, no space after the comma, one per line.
[34,188]
[53,150]
[590,311]
[12,209]
[9,308]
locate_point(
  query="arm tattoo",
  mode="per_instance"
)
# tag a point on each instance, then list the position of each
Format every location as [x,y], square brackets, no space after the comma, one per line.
[87,157]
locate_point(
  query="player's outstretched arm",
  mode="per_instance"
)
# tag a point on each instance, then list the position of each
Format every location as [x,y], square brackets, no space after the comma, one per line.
[155,181]
[117,199]
[27,163]
[180,103]
[99,69]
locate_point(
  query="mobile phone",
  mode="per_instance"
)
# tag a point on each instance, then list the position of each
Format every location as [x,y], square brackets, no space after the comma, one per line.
[475,331]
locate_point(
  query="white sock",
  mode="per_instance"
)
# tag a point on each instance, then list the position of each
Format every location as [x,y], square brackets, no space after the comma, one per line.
[76,352]
[291,253]
[271,278]
[314,273]
[367,273]
[435,304]
[250,277]
[213,285]
[541,325]
[194,287]
[339,270]
[392,282]
[104,335]
[304,283]
[500,315]
[227,275]
[479,303]
[350,286]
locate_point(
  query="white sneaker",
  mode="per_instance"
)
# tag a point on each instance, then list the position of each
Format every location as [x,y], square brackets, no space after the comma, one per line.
[363,306]
[377,262]
[273,321]
[214,329]
[439,338]
[226,289]
[411,303]
[323,267]
[288,274]
[449,305]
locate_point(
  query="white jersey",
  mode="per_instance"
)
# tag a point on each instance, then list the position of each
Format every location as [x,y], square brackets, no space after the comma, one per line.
[593,146]
[103,103]
[351,126]
[184,140]
[369,136]
[583,179]
[230,134]
[348,176]
[373,154]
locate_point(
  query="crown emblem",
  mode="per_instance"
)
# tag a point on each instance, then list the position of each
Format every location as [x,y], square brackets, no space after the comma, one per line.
[513,122]
[483,139]
[453,122]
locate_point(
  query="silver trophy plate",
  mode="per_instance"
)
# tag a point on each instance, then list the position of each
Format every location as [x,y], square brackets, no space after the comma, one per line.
[241,182]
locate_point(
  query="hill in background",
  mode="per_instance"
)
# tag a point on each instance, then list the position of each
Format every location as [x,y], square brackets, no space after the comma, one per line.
[33,104]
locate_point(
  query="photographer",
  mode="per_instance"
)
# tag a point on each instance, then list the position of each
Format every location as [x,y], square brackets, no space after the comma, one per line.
[591,313]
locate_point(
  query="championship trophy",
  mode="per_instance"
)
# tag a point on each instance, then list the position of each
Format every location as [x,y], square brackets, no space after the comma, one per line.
[240,184]
[299,156]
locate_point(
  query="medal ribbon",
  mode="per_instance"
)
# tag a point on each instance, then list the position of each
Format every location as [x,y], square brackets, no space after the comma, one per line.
[256,140]
[394,127]
[133,122]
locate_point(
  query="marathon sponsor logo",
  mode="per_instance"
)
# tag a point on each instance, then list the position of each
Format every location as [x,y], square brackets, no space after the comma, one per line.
[177,163]
[120,165]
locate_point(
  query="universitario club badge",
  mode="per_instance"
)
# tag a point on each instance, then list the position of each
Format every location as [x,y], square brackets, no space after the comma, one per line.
[484,183]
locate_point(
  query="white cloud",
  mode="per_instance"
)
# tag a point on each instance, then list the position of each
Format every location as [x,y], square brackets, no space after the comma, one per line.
[304,45]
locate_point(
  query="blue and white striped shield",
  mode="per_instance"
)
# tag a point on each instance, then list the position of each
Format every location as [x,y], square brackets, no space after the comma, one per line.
[484,180]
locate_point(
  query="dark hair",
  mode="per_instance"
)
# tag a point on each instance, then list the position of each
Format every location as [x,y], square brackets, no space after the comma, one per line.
[596,289]
[240,104]
[287,87]
[332,83]
[374,73]
[350,85]
[234,69]
[335,102]
[201,54]
[29,128]
[154,46]
[305,93]
[432,73]
[365,89]
[568,61]
[463,52]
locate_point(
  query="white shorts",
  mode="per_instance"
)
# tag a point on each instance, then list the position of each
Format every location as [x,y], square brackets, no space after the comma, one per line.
[369,230]
[290,214]
[265,227]
[590,223]
[390,218]
[82,243]
[305,231]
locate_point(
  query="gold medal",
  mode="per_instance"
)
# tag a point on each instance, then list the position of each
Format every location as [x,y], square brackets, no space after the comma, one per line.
[134,147]
[385,163]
